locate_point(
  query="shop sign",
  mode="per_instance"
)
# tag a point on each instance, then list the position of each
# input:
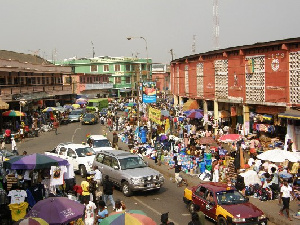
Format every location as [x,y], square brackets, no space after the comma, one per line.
[149,92]
[154,115]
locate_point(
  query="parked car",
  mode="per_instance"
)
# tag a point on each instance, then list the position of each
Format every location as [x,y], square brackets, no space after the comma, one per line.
[79,155]
[128,171]
[75,115]
[89,118]
[224,204]
[100,143]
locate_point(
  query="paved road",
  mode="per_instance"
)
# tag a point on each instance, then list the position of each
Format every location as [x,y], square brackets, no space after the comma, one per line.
[169,199]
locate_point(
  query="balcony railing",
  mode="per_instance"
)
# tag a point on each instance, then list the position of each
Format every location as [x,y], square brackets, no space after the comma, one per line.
[98,86]
[6,93]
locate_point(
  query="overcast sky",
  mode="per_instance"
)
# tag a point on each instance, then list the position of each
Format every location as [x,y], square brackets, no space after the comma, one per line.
[69,26]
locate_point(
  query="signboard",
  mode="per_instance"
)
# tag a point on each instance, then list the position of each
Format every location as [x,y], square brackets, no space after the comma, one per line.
[149,92]
[154,115]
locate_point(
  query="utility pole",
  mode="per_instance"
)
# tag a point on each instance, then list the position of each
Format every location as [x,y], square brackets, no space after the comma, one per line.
[216,29]
[194,44]
[93,49]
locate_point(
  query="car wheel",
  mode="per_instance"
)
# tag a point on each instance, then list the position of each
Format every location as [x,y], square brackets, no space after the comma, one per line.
[126,189]
[82,171]
[191,207]
[222,221]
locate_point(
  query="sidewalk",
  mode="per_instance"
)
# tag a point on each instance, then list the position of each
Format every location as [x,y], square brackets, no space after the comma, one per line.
[270,208]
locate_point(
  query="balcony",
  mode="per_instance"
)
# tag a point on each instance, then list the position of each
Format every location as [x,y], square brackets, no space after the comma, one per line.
[97,86]
[7,93]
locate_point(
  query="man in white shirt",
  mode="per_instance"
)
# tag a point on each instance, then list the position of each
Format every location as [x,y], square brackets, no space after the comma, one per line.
[98,179]
[285,194]
[89,213]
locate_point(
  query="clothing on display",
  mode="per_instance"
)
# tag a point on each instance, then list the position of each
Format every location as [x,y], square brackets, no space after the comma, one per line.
[18,211]
[56,173]
[17,196]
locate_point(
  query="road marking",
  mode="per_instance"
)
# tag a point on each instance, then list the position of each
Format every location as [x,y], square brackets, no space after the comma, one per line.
[153,210]
[75,133]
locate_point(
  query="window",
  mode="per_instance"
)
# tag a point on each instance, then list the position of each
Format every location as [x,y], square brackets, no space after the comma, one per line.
[106,68]
[117,80]
[127,67]
[38,80]
[114,162]
[117,67]
[81,79]
[107,160]
[94,68]
[143,66]
[128,80]
[200,191]
[100,158]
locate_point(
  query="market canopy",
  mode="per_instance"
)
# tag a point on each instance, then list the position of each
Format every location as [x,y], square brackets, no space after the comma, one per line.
[13,113]
[34,161]
[290,114]
[278,155]
[190,104]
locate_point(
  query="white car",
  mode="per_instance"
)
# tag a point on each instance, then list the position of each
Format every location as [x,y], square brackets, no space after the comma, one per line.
[79,155]
[100,143]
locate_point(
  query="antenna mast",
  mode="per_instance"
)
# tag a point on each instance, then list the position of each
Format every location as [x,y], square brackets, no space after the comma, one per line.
[216,28]
[93,49]
[194,44]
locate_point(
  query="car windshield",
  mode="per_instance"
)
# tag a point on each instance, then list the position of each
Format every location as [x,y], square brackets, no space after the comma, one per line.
[101,143]
[88,116]
[87,151]
[75,113]
[131,163]
[230,197]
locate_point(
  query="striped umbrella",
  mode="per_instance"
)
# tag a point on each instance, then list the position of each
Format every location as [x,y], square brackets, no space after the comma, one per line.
[130,217]
[32,221]
[50,109]
[13,113]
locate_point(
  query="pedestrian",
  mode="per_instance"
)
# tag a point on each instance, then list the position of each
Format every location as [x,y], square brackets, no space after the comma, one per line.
[286,192]
[13,145]
[98,179]
[92,188]
[115,140]
[108,189]
[201,215]
[102,211]
[120,206]
[195,220]
[179,180]
[89,212]
[2,144]
[55,125]
[85,190]
[164,218]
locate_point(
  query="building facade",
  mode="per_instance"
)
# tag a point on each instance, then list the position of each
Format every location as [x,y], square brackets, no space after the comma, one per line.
[108,76]
[31,79]
[263,78]
[161,75]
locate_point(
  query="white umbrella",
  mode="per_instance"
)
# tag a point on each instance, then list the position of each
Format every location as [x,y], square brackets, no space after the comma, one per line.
[278,155]
[250,177]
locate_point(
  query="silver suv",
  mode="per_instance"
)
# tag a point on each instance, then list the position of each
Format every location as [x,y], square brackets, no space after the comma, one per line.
[128,171]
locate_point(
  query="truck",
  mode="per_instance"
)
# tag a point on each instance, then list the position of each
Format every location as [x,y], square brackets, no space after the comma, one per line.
[96,105]
[79,155]
[223,204]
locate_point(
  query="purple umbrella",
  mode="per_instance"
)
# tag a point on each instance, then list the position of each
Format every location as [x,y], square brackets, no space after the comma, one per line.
[195,115]
[34,161]
[57,210]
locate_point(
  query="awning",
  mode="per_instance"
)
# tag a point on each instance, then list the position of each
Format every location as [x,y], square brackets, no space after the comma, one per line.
[190,104]
[290,114]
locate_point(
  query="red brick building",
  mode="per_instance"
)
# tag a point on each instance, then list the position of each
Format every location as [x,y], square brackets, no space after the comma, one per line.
[263,78]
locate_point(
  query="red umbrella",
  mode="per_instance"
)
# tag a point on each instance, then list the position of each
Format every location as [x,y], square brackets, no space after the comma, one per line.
[230,137]
[195,115]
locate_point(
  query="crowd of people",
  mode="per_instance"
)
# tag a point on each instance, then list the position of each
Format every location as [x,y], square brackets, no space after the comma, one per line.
[189,146]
